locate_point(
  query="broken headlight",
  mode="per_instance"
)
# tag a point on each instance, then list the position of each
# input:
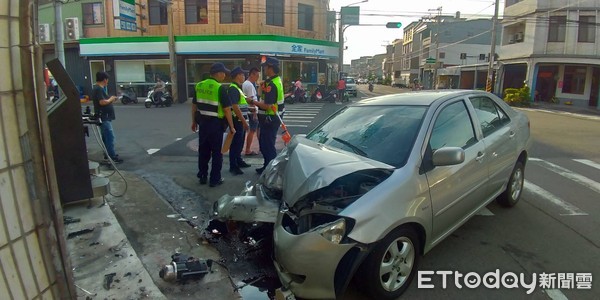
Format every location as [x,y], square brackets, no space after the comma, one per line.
[334,231]
[272,177]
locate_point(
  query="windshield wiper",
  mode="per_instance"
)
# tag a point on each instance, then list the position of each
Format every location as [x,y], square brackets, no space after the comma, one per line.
[354,148]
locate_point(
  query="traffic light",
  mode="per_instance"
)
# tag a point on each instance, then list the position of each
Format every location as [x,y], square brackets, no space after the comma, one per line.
[393,25]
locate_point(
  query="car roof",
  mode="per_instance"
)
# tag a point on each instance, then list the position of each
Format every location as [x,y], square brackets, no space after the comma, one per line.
[417,98]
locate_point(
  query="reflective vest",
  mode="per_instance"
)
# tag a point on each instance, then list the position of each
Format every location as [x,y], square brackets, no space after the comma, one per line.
[242,104]
[280,106]
[207,97]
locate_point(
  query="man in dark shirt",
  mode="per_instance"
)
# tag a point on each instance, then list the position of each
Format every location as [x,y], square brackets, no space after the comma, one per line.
[104,109]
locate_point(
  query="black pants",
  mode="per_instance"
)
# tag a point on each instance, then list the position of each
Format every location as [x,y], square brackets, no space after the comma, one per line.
[235,151]
[267,138]
[210,141]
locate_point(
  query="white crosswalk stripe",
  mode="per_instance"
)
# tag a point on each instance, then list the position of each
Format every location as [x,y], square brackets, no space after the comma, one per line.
[588,163]
[589,183]
[301,114]
[569,208]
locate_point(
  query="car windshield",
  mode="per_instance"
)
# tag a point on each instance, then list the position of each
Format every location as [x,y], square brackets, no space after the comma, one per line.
[349,80]
[382,133]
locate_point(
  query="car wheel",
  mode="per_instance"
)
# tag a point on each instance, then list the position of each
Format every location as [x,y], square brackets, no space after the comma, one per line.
[514,188]
[388,270]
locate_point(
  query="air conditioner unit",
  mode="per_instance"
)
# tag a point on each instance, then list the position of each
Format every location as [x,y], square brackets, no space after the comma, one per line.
[44,32]
[71,28]
[519,37]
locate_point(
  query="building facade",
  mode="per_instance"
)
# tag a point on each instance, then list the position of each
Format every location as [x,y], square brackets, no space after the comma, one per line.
[432,50]
[235,32]
[554,48]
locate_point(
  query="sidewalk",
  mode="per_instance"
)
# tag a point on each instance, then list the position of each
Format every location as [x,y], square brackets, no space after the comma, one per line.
[590,111]
[130,239]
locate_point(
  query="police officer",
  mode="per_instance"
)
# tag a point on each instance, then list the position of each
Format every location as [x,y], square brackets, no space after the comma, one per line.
[240,120]
[211,108]
[272,103]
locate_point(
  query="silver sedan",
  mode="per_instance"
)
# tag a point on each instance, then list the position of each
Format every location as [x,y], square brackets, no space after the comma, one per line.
[379,183]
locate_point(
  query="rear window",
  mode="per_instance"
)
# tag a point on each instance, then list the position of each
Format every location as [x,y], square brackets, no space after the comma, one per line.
[382,133]
[349,80]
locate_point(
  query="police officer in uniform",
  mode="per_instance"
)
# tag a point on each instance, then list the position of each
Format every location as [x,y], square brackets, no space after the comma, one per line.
[240,120]
[209,113]
[271,104]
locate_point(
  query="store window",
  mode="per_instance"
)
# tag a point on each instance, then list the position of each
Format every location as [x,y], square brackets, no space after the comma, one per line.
[158,12]
[574,80]
[231,11]
[196,12]
[587,29]
[307,72]
[275,12]
[305,17]
[93,13]
[557,29]
[141,74]
[199,69]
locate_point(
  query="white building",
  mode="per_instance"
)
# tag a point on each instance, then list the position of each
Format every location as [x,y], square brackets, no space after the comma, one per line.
[554,47]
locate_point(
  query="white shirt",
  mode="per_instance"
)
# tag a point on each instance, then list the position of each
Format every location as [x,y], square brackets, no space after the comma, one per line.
[249,90]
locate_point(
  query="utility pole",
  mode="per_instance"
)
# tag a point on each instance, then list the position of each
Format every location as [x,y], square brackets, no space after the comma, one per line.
[437,47]
[59,46]
[341,30]
[490,75]
[172,57]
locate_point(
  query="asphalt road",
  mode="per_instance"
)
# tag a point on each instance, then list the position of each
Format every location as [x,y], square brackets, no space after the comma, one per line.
[553,230]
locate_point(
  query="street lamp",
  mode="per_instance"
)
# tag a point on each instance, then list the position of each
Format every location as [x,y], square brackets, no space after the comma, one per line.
[341,39]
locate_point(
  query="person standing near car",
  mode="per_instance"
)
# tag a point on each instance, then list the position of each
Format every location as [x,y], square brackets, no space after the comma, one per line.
[209,113]
[249,89]
[103,108]
[239,108]
[271,104]
[341,87]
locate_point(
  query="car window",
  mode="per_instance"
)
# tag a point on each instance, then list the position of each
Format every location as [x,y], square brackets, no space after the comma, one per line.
[382,133]
[490,115]
[349,80]
[453,128]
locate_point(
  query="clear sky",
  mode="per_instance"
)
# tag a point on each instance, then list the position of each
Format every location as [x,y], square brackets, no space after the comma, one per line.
[371,40]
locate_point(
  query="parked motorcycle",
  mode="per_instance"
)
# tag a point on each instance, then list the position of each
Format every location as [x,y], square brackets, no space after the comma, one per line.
[165,99]
[128,95]
[370,87]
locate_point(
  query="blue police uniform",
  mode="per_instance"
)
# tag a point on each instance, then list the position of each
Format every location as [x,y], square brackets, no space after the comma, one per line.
[211,125]
[235,95]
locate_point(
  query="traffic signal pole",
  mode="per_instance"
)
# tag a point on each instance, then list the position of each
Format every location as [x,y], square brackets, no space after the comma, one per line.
[490,75]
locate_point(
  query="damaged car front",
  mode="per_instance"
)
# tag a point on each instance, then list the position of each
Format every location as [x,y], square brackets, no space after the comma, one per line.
[325,191]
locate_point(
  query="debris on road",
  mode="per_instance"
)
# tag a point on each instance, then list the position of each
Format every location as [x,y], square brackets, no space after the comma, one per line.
[108,279]
[79,232]
[183,267]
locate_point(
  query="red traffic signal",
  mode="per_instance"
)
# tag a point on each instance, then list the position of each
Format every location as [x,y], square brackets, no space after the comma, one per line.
[393,25]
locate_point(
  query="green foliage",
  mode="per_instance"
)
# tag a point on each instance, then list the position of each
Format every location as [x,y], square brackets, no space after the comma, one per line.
[518,97]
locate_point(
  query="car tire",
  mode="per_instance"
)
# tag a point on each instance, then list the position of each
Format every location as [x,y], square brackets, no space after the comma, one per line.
[514,188]
[399,253]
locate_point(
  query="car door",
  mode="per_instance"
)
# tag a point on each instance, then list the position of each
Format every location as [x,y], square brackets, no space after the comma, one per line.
[499,139]
[456,191]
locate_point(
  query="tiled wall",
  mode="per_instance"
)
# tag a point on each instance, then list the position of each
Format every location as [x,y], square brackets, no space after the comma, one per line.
[27,265]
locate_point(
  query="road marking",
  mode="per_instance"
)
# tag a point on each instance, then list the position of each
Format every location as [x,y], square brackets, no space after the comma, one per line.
[582,116]
[595,186]
[294,125]
[485,212]
[556,295]
[152,151]
[178,139]
[297,117]
[589,163]
[570,208]
[298,121]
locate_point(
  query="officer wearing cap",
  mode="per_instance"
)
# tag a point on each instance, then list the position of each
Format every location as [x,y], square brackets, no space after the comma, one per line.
[240,120]
[272,90]
[209,113]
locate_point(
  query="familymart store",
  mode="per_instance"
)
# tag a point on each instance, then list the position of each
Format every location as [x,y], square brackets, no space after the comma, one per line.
[138,61]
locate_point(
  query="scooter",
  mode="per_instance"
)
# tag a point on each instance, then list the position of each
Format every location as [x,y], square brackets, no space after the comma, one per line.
[128,95]
[370,87]
[165,100]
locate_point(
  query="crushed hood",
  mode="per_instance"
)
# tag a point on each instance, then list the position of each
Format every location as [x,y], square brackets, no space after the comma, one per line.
[312,166]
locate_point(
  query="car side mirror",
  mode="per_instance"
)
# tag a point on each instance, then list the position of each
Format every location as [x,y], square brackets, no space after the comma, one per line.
[448,156]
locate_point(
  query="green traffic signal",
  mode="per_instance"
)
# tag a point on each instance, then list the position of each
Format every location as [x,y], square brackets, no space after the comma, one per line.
[393,25]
